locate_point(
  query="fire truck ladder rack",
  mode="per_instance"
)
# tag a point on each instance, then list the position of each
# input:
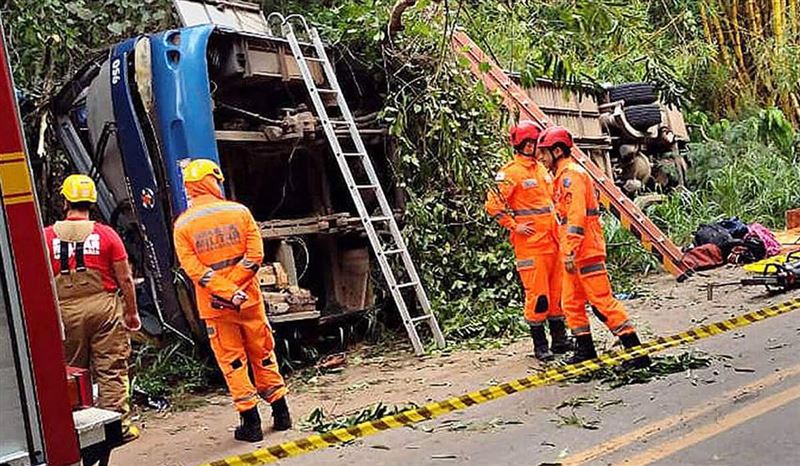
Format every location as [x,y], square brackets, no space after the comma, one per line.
[399,274]
[630,216]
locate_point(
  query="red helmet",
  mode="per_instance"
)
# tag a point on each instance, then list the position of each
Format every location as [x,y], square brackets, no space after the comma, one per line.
[524,130]
[555,135]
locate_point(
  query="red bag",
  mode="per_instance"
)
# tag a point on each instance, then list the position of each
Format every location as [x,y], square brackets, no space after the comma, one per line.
[707,256]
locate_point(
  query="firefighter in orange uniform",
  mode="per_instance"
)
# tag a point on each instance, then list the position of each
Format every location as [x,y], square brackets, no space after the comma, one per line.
[220,247]
[583,250]
[523,203]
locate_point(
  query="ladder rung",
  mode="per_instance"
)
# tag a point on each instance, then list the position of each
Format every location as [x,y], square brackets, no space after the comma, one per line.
[344,138]
[407,285]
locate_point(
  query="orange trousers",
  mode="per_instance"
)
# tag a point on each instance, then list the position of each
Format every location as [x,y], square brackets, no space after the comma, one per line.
[541,278]
[242,338]
[590,283]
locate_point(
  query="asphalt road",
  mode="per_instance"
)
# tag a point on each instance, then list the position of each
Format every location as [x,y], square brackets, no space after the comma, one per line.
[742,410]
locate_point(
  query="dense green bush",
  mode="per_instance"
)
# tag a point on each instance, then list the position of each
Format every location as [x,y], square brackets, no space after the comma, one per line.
[749,168]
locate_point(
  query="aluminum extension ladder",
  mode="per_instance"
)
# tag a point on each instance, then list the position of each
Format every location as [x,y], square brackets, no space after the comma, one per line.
[399,274]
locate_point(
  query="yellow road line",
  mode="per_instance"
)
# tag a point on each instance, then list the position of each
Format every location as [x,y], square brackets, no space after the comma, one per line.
[657,427]
[751,411]
[547,377]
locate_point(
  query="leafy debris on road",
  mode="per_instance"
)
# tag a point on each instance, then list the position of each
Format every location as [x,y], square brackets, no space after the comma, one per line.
[318,421]
[777,346]
[743,369]
[607,403]
[662,366]
[575,420]
[576,401]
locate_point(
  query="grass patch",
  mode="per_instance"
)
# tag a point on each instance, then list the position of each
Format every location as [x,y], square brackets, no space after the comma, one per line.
[170,372]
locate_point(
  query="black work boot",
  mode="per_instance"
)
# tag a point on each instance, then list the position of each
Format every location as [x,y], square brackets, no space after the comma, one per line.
[584,349]
[281,420]
[630,340]
[249,429]
[559,341]
[541,351]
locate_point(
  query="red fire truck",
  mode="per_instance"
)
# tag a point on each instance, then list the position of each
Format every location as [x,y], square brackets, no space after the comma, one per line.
[45,408]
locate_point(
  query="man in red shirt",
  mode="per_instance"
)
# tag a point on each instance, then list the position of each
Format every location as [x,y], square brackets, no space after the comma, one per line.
[91,268]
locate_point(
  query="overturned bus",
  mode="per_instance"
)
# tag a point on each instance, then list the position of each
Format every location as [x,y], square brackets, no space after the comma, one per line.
[225,87]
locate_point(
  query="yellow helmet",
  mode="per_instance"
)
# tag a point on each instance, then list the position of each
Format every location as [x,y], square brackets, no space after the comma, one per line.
[198,169]
[79,188]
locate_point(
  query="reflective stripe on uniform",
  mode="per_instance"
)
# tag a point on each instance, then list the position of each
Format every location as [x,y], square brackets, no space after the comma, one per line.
[623,326]
[581,330]
[250,265]
[592,268]
[245,398]
[537,211]
[225,263]
[212,209]
[498,215]
[269,392]
[525,263]
[575,230]
[593,212]
[206,278]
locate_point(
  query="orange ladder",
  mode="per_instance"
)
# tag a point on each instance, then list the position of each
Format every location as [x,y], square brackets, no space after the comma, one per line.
[629,215]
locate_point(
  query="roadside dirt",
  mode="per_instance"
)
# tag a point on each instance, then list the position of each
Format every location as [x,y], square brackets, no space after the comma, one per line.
[203,434]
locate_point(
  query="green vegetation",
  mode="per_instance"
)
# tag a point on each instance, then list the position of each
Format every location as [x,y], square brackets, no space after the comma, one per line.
[663,365]
[173,370]
[49,39]
[318,421]
[750,168]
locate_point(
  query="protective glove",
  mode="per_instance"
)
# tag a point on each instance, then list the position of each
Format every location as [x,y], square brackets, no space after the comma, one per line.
[239,298]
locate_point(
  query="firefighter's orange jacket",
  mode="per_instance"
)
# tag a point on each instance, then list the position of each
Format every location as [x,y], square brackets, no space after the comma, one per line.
[578,210]
[525,195]
[219,246]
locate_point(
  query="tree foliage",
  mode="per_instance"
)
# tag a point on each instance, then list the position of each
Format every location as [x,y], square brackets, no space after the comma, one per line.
[451,134]
[756,44]
[49,39]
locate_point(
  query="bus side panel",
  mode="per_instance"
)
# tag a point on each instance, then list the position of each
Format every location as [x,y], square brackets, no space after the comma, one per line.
[183,102]
[154,228]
